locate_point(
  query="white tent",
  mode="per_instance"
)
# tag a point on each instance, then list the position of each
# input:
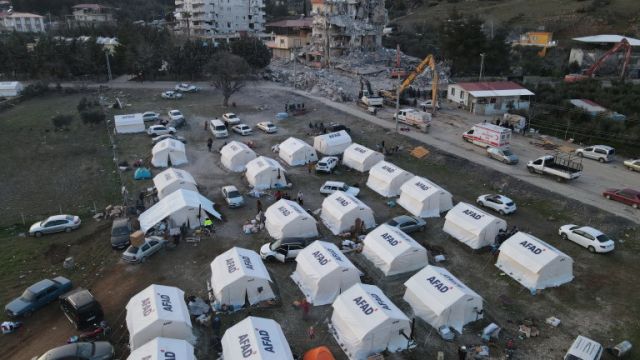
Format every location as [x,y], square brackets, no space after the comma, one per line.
[238,276]
[340,211]
[168,152]
[534,263]
[323,272]
[366,322]
[386,179]
[173,179]
[129,123]
[265,173]
[440,299]
[361,158]
[235,156]
[163,349]
[255,338]
[423,198]
[158,311]
[296,152]
[181,207]
[334,143]
[10,88]
[392,251]
[287,219]
[472,226]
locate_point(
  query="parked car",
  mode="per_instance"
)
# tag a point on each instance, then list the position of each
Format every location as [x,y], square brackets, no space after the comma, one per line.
[54,224]
[602,153]
[81,308]
[120,231]
[177,123]
[159,138]
[283,250]
[330,187]
[157,130]
[232,196]
[408,223]
[633,165]
[185,87]
[593,239]
[428,104]
[625,196]
[150,116]
[267,126]
[172,95]
[499,203]
[218,129]
[37,296]
[230,119]
[335,127]
[242,129]
[134,254]
[502,154]
[175,114]
[327,164]
[98,350]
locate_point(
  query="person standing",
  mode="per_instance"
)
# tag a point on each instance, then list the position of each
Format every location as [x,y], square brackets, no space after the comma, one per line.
[215,325]
[206,125]
[259,205]
[300,200]
[209,144]
[305,307]
[311,332]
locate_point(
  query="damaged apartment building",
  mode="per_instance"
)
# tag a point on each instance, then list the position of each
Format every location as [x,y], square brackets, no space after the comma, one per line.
[343,25]
[220,19]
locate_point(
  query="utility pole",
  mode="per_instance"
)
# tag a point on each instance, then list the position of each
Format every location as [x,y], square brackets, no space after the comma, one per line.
[106,54]
[481,66]
[293,57]
[398,101]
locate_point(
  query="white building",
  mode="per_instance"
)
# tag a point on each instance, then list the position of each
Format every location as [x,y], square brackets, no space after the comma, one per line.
[489,98]
[173,179]
[235,156]
[341,210]
[392,251]
[296,152]
[220,19]
[360,158]
[386,179]
[423,198]
[158,347]
[287,219]
[265,173]
[168,152]
[10,88]
[21,22]
[334,143]
[255,338]
[472,226]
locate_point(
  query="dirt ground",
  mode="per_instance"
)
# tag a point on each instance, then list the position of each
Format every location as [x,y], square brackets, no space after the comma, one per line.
[600,303]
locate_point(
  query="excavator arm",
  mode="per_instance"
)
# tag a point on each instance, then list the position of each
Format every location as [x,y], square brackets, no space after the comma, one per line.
[622,45]
[430,62]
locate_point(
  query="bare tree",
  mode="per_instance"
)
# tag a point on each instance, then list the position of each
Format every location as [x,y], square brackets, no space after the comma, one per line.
[228,73]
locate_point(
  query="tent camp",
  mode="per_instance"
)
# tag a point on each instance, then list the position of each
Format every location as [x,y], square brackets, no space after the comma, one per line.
[238,277]
[334,143]
[168,152]
[10,88]
[235,156]
[534,263]
[440,299]
[386,179]
[340,211]
[255,338]
[160,348]
[472,226]
[365,322]
[361,158]
[180,207]
[286,219]
[173,179]
[129,123]
[158,311]
[296,152]
[392,251]
[265,173]
[323,272]
[423,198]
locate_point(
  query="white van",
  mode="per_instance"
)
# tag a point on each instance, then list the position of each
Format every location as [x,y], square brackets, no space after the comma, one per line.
[584,349]
[218,129]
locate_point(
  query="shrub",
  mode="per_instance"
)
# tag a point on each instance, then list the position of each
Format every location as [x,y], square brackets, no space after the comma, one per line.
[61,121]
[92,117]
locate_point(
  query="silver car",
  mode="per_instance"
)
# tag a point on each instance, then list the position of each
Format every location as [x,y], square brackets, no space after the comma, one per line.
[99,350]
[504,155]
[408,224]
[151,245]
[232,196]
[602,153]
[54,224]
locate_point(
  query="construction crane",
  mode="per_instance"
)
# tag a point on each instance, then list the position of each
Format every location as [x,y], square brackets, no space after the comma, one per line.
[591,71]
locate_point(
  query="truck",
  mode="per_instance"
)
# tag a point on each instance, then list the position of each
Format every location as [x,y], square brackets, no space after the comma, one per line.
[413,117]
[488,135]
[367,98]
[560,166]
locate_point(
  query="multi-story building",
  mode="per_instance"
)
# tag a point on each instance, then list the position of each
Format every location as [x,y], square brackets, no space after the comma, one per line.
[21,22]
[91,13]
[289,35]
[220,19]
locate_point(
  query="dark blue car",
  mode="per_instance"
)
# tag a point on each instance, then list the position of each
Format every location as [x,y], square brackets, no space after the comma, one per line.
[37,296]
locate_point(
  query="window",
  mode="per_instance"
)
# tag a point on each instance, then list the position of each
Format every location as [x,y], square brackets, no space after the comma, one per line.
[492,100]
[461,94]
[453,92]
[281,41]
[145,247]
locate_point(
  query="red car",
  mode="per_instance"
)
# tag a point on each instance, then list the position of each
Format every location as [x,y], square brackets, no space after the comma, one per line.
[626,196]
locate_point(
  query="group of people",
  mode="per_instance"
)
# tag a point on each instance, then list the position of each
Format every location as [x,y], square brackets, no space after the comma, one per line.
[318,127]
[285,195]
[504,124]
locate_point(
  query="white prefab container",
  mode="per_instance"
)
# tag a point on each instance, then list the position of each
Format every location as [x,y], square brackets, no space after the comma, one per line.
[334,143]
[392,251]
[238,277]
[360,158]
[287,219]
[162,348]
[323,272]
[168,152]
[340,211]
[440,299]
[173,179]
[255,338]
[365,322]
[265,173]
[296,152]
[386,179]
[158,311]
[472,226]
[129,123]
[422,198]
[12,89]
[180,207]
[235,156]
[534,263]
[584,348]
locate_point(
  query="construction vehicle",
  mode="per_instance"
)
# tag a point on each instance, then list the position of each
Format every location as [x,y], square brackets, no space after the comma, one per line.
[367,98]
[398,72]
[391,97]
[591,71]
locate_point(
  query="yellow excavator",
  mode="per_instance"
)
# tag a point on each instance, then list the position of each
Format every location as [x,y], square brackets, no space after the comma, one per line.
[391,97]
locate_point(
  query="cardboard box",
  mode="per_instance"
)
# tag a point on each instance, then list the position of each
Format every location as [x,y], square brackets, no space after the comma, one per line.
[137,238]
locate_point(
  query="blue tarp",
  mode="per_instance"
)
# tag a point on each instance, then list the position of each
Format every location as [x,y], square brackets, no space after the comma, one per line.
[142,173]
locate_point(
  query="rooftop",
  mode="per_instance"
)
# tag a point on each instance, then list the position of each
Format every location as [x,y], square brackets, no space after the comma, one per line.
[90,6]
[607,39]
[304,22]
[15,14]
[494,88]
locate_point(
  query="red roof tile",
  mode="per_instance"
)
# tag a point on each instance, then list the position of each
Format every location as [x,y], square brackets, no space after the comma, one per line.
[489,86]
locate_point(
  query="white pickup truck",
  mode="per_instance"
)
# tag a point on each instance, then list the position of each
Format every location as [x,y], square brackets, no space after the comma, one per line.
[559,166]
[413,117]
